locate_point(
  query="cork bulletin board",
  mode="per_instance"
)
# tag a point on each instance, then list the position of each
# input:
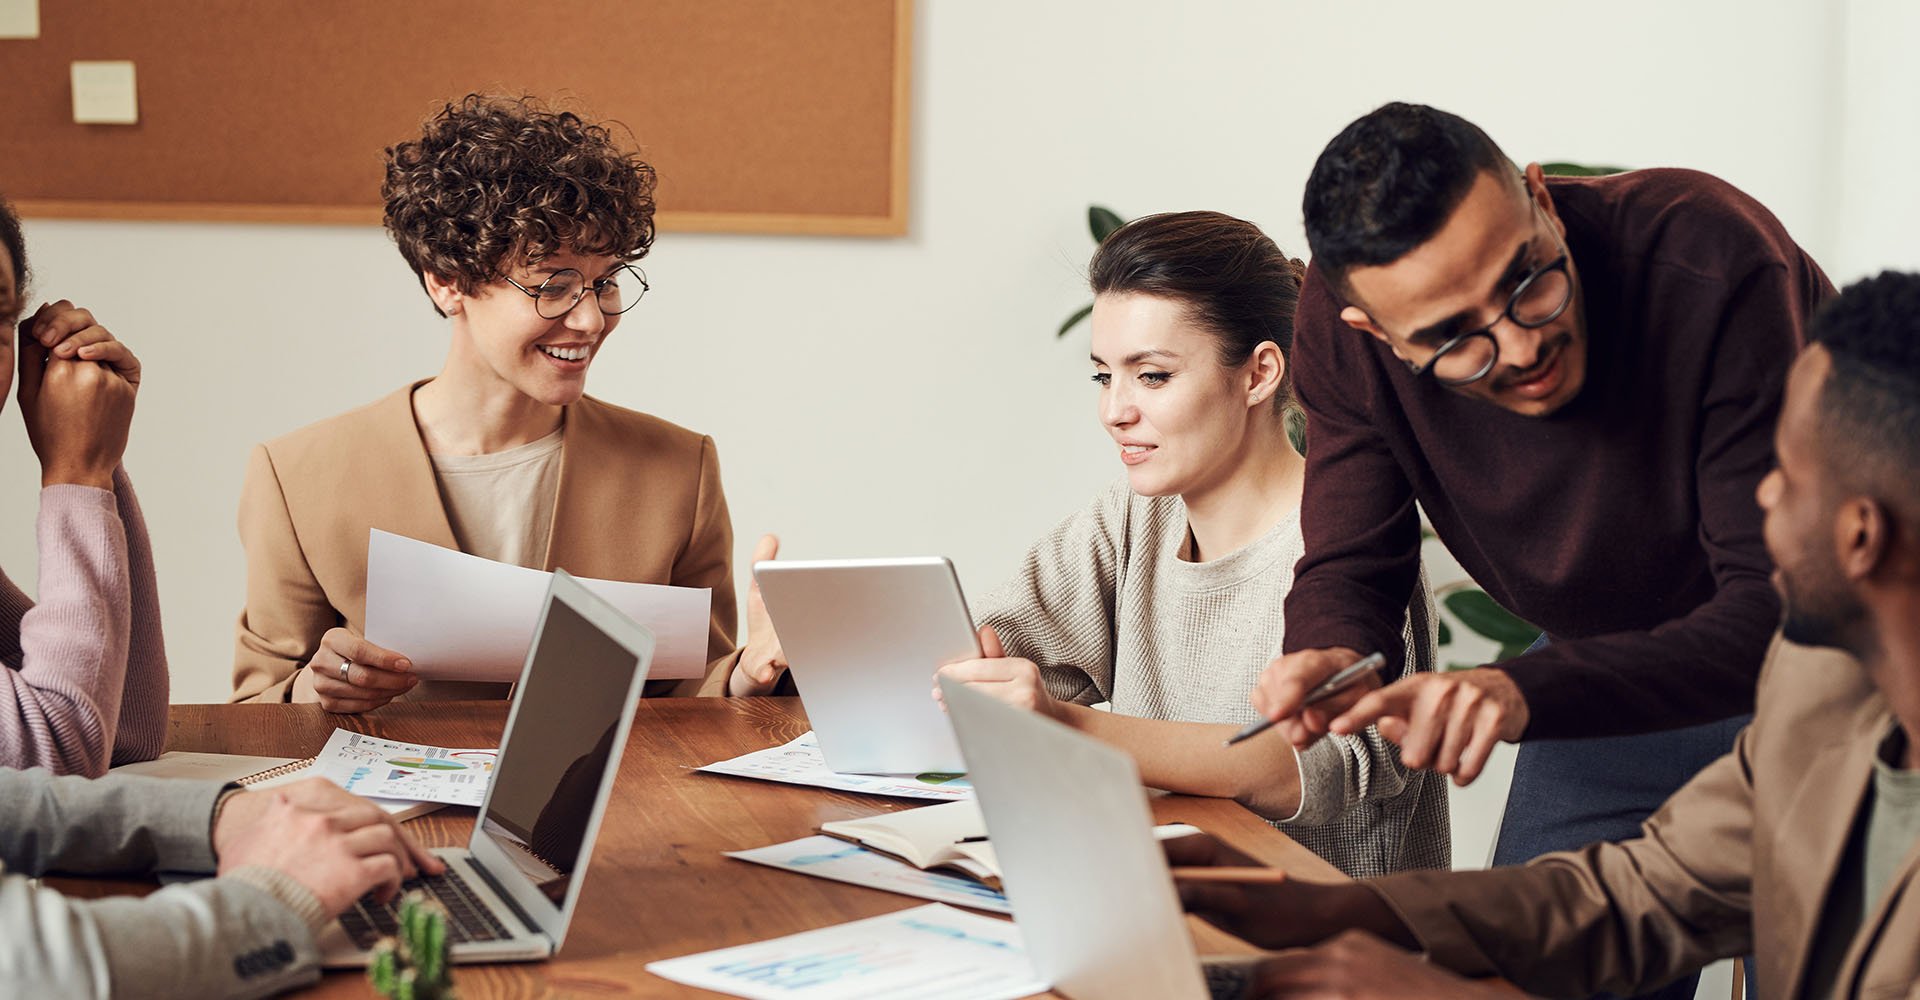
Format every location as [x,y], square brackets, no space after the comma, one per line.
[783,116]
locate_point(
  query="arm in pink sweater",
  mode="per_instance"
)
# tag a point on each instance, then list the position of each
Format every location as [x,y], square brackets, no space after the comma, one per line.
[142,732]
[89,644]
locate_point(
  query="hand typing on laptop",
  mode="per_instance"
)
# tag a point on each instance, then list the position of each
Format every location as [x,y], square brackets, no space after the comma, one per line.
[1358,966]
[337,845]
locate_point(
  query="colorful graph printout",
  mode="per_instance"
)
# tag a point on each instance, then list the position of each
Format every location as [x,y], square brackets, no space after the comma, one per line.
[368,765]
[931,952]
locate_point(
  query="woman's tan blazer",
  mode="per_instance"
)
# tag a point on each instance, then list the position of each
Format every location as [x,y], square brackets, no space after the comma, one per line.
[639,500]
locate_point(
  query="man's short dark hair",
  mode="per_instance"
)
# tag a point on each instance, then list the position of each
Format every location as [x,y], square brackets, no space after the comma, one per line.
[1870,404]
[1388,182]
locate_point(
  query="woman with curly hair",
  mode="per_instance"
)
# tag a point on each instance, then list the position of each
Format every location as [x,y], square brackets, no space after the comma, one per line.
[523,225]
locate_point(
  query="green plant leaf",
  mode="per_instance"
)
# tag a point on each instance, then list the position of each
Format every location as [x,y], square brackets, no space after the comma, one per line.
[1478,612]
[1102,221]
[1078,315]
[1563,169]
[1513,649]
[1296,419]
[1446,633]
[1453,665]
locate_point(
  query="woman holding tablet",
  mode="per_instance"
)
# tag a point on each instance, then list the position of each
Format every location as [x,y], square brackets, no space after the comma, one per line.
[523,226]
[1163,596]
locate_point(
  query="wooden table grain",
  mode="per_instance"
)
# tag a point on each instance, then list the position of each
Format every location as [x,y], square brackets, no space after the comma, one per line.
[658,885]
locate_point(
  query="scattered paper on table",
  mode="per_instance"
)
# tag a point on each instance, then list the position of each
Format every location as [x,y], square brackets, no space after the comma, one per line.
[462,617]
[931,952]
[832,858]
[799,762]
[19,18]
[386,769]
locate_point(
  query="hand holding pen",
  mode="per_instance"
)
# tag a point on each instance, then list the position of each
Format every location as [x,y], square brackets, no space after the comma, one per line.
[1282,696]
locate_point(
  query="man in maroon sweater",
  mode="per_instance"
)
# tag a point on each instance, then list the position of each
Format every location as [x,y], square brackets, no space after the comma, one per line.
[1577,379]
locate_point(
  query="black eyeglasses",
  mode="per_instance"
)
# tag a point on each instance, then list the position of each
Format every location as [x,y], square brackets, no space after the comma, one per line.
[616,293]
[1539,299]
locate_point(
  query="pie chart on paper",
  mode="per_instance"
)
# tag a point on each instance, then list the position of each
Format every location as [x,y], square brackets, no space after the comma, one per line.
[427,763]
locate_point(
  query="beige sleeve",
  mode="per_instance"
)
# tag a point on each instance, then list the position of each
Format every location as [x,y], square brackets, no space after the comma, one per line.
[1621,918]
[1058,608]
[287,611]
[707,561]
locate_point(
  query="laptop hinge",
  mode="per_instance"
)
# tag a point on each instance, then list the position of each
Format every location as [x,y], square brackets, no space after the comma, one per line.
[505,897]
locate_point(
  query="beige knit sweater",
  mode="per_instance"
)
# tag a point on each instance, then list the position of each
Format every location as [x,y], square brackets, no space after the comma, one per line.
[1107,609]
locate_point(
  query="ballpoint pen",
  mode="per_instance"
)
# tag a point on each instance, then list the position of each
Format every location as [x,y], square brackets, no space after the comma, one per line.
[1328,688]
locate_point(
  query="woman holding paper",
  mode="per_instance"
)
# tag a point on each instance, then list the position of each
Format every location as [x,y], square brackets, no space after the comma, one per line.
[1163,596]
[84,683]
[523,226]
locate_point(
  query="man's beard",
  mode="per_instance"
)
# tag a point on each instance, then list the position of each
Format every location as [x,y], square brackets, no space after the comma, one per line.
[1821,623]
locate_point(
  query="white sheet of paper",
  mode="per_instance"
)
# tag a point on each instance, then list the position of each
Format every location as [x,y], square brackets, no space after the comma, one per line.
[387,769]
[462,617]
[799,762]
[931,952]
[832,858]
[19,18]
[104,93]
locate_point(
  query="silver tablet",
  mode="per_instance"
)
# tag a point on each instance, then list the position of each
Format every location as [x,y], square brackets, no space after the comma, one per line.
[863,638]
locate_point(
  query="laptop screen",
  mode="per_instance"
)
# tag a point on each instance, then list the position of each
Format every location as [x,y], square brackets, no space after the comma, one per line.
[556,754]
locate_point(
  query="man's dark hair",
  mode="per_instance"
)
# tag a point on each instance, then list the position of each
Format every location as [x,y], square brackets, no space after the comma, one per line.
[1870,404]
[1388,182]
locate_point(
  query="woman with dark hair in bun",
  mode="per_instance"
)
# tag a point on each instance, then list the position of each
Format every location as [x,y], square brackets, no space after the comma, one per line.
[523,225]
[1163,596]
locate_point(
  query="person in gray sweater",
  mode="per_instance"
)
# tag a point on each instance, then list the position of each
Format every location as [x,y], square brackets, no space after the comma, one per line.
[287,860]
[1163,596]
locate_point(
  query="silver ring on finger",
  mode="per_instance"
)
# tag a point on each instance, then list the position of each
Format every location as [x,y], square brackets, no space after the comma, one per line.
[344,665]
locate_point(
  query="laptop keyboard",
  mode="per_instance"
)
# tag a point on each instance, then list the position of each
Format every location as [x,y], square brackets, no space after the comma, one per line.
[468,919]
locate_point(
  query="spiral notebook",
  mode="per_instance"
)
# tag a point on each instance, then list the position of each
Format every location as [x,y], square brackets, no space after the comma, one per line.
[255,772]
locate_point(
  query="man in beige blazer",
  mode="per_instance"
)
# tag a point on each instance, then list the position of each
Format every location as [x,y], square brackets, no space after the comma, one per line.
[1802,846]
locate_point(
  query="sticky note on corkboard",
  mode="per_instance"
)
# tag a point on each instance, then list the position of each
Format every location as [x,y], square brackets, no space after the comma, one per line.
[104,93]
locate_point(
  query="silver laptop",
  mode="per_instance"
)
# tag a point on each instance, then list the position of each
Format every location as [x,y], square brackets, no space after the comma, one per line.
[1078,860]
[863,638]
[511,892]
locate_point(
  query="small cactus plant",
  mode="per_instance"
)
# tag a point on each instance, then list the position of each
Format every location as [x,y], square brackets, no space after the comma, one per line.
[415,966]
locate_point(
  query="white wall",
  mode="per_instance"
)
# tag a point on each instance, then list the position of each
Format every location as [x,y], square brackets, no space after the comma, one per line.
[907,395]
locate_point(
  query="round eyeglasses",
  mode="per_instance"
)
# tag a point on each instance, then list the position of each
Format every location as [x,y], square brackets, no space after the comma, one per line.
[616,293]
[1539,299]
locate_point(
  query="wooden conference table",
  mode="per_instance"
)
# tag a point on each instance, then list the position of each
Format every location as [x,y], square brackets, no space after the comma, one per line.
[658,885]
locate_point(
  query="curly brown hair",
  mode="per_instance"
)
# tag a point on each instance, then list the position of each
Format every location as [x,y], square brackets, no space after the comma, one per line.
[495,182]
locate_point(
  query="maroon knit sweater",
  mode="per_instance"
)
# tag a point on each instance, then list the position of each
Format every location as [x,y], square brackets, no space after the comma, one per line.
[1625,524]
[83,673]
